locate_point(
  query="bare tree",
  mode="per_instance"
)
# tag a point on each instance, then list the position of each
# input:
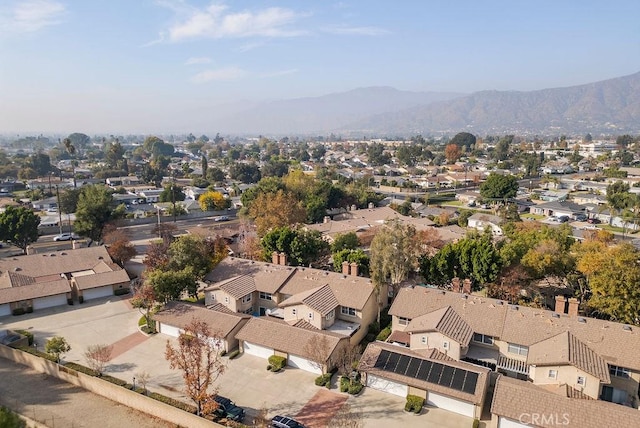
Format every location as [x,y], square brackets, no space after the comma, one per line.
[345,359]
[262,419]
[143,379]
[98,356]
[144,299]
[197,356]
[317,352]
[347,417]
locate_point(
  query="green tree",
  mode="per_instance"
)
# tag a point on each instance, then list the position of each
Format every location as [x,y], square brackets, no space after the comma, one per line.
[245,172]
[19,226]
[215,175]
[498,186]
[113,154]
[94,210]
[57,346]
[41,164]
[69,200]
[618,198]
[197,254]
[464,139]
[9,419]
[358,257]
[171,193]
[303,247]
[171,284]
[345,241]
[204,165]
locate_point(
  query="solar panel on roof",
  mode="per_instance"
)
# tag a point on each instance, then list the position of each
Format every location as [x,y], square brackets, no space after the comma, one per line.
[403,363]
[458,379]
[382,359]
[423,371]
[392,363]
[470,383]
[412,368]
[447,376]
[435,373]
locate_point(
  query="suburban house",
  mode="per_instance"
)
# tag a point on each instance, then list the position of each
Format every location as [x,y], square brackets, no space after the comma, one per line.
[555,208]
[38,281]
[341,303]
[481,222]
[442,381]
[590,358]
[223,323]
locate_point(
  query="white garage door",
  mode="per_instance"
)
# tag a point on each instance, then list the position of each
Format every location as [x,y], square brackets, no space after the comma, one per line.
[509,423]
[451,404]
[5,310]
[257,350]
[169,330]
[96,293]
[49,301]
[303,363]
[389,386]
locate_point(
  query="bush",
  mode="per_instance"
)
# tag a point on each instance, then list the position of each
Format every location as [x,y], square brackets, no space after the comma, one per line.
[234,354]
[374,328]
[29,309]
[80,299]
[476,423]
[82,369]
[18,311]
[277,362]
[269,367]
[344,384]
[355,388]
[175,403]
[37,353]
[384,334]
[26,334]
[114,380]
[414,403]
[121,291]
[70,302]
[324,380]
[223,353]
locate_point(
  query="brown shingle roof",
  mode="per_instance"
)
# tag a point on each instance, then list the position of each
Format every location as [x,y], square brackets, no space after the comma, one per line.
[445,321]
[283,337]
[237,287]
[180,314]
[56,262]
[565,348]
[524,325]
[320,299]
[34,290]
[514,399]
[268,277]
[370,356]
[86,282]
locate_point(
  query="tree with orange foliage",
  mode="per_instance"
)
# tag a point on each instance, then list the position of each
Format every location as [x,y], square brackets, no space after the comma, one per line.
[118,245]
[452,152]
[198,357]
[274,210]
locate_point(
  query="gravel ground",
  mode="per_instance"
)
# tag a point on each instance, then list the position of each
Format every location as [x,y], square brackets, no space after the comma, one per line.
[58,404]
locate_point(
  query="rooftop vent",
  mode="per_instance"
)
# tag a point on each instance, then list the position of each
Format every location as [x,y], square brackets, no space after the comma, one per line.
[17,269]
[500,302]
[582,320]
[99,257]
[555,315]
[626,327]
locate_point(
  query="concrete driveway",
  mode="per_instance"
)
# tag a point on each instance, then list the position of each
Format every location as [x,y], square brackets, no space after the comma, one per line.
[246,381]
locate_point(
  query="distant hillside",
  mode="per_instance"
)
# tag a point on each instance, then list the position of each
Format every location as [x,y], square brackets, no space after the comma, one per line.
[610,106]
[328,112]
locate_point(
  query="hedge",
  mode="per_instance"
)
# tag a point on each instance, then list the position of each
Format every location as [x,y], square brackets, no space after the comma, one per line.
[324,380]
[121,291]
[27,334]
[414,403]
[37,353]
[355,388]
[277,362]
[172,402]
[384,334]
[352,388]
[82,369]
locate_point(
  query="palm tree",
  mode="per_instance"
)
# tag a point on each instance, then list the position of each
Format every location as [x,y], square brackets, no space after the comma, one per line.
[71,149]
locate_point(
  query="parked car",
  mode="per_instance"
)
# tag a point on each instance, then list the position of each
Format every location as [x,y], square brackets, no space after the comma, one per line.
[285,422]
[563,219]
[593,220]
[580,217]
[228,409]
[66,237]
[221,218]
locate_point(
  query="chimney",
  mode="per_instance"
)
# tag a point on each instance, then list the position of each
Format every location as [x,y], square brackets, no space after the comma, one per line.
[275,258]
[573,307]
[283,259]
[466,286]
[354,269]
[326,219]
[345,267]
[353,208]
[455,285]
[561,302]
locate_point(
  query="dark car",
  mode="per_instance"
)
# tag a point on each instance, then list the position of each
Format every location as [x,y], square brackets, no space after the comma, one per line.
[228,409]
[593,220]
[285,422]
[563,219]
[580,217]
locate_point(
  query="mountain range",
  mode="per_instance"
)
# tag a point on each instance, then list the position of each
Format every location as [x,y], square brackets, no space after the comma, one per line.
[610,106]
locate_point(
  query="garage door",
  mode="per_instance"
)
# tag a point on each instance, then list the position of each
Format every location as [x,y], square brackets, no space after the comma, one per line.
[49,301]
[96,293]
[257,350]
[508,423]
[385,385]
[5,310]
[303,363]
[169,330]
[450,404]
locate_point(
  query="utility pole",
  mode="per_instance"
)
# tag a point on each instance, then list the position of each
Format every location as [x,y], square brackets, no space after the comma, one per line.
[173,196]
[59,210]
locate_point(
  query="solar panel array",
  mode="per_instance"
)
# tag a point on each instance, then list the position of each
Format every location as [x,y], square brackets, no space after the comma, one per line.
[430,371]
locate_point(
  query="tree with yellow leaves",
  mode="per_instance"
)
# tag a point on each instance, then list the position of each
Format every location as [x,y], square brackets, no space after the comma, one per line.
[213,201]
[274,210]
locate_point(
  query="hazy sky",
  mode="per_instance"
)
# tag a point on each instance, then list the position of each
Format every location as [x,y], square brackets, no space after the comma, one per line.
[149,65]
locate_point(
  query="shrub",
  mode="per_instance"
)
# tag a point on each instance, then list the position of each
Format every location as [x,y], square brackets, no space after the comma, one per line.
[114,380]
[37,353]
[175,403]
[29,309]
[82,369]
[476,423]
[80,299]
[374,328]
[18,311]
[277,362]
[384,334]
[142,321]
[234,354]
[26,334]
[269,367]
[344,384]
[121,291]
[414,403]
[355,388]
[70,302]
[324,380]
[223,353]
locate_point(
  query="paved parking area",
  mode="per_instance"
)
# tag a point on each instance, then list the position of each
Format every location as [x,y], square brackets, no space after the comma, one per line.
[112,321]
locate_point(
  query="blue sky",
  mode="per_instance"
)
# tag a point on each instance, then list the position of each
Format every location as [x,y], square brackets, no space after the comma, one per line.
[147,65]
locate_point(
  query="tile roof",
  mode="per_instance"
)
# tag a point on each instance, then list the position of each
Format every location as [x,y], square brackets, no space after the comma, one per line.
[237,287]
[515,399]
[267,276]
[445,321]
[320,299]
[615,343]
[220,321]
[87,282]
[34,290]
[565,348]
[56,262]
[283,337]
[370,356]
[399,337]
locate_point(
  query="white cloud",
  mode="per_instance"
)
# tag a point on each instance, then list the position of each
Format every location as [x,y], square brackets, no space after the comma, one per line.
[216,21]
[280,73]
[31,15]
[357,31]
[198,60]
[227,73]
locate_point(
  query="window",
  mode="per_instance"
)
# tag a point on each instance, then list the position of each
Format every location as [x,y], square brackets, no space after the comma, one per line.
[310,315]
[246,299]
[445,345]
[345,310]
[294,312]
[329,316]
[553,374]
[518,349]
[403,321]
[226,299]
[423,339]
[619,372]
[265,296]
[582,381]
[482,338]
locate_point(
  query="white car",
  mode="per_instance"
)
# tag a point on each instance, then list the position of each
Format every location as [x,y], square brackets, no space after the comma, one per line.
[66,237]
